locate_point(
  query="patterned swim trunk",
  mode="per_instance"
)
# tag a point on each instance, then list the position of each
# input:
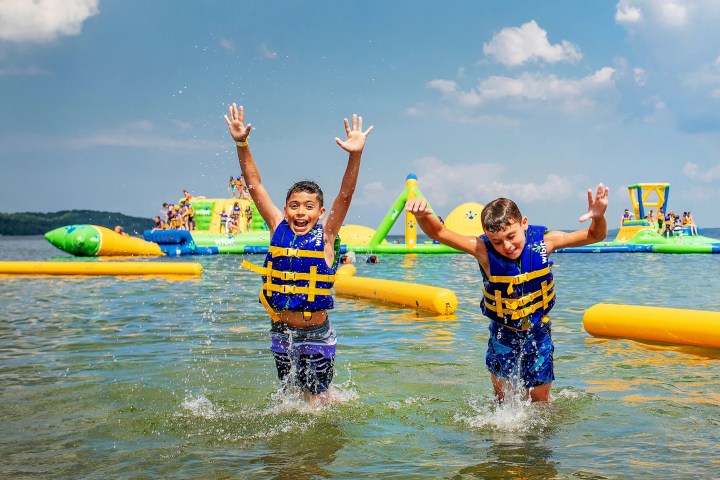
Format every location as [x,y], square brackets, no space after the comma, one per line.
[304,357]
[521,356]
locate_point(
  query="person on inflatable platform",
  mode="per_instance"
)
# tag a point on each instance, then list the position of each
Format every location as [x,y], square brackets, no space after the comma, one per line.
[518,287]
[299,269]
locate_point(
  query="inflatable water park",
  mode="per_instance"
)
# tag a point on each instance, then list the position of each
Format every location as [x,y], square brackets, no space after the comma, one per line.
[209,237]
[644,234]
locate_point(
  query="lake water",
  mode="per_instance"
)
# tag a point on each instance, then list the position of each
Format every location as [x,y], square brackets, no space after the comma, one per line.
[104,377]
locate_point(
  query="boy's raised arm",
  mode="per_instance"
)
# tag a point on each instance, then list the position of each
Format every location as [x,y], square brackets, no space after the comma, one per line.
[240,131]
[595,233]
[354,145]
[432,227]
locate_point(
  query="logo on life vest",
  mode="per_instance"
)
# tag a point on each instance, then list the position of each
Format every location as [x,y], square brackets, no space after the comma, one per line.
[318,238]
[540,248]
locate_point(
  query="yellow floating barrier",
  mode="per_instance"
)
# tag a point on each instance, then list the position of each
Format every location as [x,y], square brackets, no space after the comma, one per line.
[435,299]
[101,268]
[666,325]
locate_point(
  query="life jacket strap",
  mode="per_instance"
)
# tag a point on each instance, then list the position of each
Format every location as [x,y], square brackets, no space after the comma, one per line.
[295,290]
[295,252]
[514,304]
[518,279]
[274,316]
[289,276]
[311,290]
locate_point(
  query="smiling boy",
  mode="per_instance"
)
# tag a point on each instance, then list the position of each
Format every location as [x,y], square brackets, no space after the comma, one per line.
[299,268]
[518,287]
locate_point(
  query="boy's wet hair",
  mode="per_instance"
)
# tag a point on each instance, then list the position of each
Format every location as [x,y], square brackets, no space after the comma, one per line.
[498,214]
[306,186]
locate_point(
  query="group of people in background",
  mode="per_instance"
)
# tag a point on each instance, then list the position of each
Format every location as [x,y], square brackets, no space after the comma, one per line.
[668,224]
[182,215]
[177,217]
[230,221]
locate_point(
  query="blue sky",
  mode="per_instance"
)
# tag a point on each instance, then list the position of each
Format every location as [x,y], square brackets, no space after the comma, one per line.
[118,105]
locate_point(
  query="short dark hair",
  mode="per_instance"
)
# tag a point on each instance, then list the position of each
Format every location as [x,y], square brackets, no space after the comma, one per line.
[498,214]
[306,186]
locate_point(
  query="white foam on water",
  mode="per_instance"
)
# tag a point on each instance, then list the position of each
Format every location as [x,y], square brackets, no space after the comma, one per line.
[515,414]
[200,406]
[293,400]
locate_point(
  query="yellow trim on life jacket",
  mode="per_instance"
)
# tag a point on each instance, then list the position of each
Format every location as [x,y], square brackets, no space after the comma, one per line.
[518,279]
[312,277]
[295,252]
[311,290]
[513,304]
[273,314]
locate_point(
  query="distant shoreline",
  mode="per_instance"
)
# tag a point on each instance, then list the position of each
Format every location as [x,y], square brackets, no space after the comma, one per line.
[38,223]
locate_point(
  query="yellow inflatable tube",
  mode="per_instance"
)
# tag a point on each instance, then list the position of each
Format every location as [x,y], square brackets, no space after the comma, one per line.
[100,268]
[435,299]
[666,325]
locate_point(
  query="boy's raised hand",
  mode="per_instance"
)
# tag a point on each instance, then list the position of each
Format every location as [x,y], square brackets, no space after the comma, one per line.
[418,207]
[236,123]
[355,141]
[598,205]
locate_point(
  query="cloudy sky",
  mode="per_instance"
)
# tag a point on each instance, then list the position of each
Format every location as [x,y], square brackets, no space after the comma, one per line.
[117,105]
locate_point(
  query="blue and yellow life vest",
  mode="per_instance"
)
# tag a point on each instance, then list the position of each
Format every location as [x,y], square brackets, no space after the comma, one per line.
[519,294]
[295,274]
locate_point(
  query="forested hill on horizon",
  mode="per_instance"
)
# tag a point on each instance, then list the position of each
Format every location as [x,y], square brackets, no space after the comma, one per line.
[36,223]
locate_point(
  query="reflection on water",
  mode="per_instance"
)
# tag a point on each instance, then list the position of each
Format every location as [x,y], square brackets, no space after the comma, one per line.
[104,376]
[514,458]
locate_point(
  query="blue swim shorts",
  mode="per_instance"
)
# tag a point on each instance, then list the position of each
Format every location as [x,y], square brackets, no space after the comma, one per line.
[521,356]
[304,357]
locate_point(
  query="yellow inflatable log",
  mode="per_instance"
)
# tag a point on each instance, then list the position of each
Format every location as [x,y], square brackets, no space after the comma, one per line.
[666,325]
[100,268]
[413,295]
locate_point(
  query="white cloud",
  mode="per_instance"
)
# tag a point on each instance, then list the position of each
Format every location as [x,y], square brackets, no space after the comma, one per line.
[569,94]
[376,194]
[640,76]
[513,46]
[672,14]
[450,185]
[43,20]
[627,14]
[666,14]
[692,170]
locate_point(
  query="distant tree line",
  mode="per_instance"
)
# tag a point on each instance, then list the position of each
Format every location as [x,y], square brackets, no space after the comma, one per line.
[34,223]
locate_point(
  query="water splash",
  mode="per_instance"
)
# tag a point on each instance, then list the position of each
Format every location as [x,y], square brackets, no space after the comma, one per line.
[519,416]
[201,406]
[293,400]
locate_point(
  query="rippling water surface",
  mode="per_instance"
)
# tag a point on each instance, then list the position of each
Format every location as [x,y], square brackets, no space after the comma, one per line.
[104,377]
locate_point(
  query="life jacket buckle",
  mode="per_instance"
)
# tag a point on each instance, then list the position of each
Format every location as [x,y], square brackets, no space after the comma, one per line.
[287,275]
[287,289]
